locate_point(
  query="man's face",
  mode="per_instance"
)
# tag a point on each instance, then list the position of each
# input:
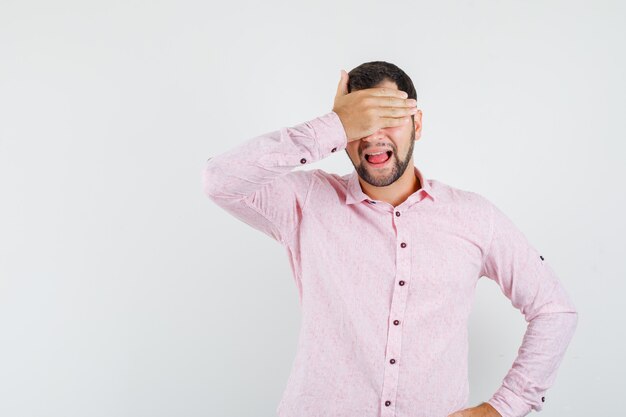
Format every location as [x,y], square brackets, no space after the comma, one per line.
[400,140]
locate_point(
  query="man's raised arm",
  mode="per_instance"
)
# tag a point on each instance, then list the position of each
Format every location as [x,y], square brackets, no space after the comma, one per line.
[256,181]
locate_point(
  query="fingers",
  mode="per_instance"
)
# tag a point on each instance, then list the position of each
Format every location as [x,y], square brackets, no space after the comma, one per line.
[384,91]
[393,121]
[395,111]
[390,106]
[389,101]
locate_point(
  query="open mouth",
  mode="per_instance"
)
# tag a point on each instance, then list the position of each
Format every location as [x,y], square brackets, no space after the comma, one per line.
[378,159]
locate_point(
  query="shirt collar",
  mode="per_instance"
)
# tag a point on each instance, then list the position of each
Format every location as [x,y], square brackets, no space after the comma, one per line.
[355,194]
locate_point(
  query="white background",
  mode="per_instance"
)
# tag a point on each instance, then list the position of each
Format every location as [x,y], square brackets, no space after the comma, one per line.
[125,292]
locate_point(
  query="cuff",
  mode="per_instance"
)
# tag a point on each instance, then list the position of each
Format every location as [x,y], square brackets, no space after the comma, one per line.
[329,134]
[509,404]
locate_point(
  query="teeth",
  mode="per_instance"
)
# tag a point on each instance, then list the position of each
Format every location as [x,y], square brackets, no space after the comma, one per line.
[377,153]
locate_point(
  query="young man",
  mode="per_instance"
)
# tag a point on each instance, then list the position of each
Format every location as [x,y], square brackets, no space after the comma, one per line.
[386,262]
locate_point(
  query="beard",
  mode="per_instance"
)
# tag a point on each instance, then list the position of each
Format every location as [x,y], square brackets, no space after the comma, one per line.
[392,173]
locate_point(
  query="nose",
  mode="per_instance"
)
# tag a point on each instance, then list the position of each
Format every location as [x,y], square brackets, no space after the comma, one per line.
[374,137]
[378,138]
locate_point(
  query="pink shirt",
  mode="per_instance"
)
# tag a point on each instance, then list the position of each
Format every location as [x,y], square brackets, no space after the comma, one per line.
[386,292]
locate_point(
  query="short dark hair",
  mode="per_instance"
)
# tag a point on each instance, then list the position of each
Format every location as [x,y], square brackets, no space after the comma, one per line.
[370,74]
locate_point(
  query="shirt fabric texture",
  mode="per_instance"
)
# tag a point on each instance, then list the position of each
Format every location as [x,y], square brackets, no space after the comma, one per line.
[386,292]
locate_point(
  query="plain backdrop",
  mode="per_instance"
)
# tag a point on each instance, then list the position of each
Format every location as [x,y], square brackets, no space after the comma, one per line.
[124,292]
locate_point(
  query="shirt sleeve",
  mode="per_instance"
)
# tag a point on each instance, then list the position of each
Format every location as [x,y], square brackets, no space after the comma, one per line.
[526,278]
[256,181]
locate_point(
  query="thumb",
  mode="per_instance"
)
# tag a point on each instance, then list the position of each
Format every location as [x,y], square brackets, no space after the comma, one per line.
[342,88]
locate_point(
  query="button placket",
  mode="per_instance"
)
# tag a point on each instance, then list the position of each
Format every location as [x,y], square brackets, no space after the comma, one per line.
[393,358]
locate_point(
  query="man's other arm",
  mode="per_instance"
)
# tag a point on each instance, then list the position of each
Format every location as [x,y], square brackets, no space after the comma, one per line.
[526,278]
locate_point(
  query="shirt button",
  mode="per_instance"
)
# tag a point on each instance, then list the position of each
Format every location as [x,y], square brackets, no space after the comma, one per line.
[403,245]
[397,214]
[392,361]
[387,403]
[396,322]
[401,282]
[303,161]
[333,149]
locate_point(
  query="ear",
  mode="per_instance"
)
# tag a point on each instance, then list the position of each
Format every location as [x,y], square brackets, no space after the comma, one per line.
[418,124]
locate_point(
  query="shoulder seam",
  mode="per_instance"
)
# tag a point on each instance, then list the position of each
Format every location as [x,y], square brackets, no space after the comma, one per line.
[256,209]
[291,234]
[491,232]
